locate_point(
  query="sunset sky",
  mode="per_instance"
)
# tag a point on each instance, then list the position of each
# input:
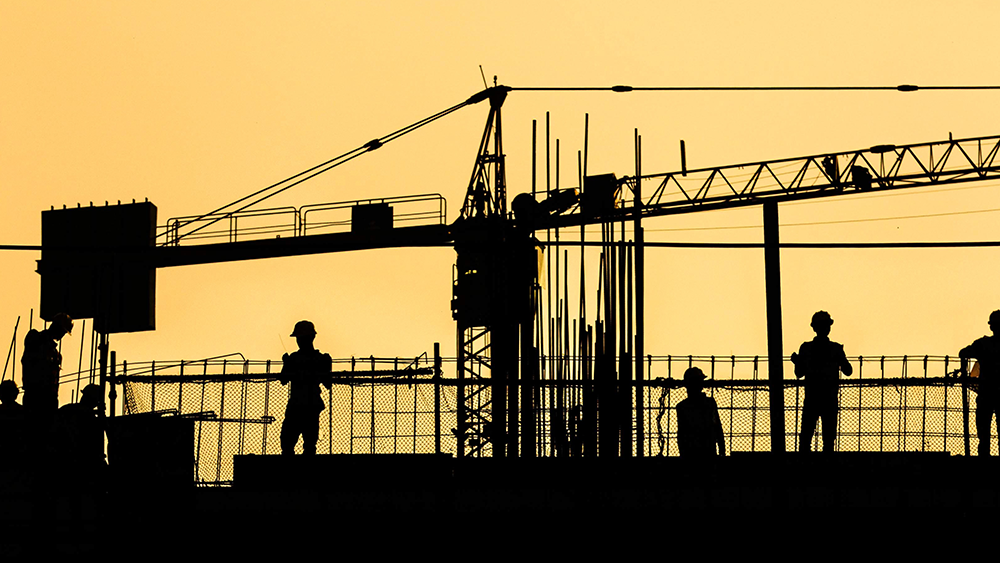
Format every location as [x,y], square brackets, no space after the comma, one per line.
[195,104]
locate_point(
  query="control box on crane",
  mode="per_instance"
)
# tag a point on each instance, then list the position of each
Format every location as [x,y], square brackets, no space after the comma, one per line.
[96,263]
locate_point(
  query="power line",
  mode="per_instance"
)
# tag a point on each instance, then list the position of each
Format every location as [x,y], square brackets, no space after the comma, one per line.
[624,88]
[955,244]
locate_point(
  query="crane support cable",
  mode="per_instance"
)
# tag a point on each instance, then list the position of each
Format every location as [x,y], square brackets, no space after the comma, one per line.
[624,88]
[292,181]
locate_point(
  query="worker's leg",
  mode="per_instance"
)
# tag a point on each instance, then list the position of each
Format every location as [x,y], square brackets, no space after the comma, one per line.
[809,417]
[985,406]
[290,430]
[310,435]
[829,416]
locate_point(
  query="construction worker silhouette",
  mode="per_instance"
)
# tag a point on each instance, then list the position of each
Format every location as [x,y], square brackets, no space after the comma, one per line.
[699,429]
[8,397]
[40,365]
[79,435]
[987,351]
[305,369]
[11,422]
[820,362]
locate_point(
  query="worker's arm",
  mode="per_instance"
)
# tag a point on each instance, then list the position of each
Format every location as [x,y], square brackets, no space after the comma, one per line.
[284,376]
[720,437]
[969,351]
[327,378]
[845,364]
[799,363]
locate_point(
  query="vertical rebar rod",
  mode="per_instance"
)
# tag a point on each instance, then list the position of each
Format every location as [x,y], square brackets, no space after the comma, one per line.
[861,368]
[79,368]
[437,397]
[152,387]
[350,446]
[732,392]
[901,426]
[395,410]
[534,158]
[640,295]
[414,387]
[965,405]
[329,419]
[180,391]
[753,411]
[113,393]
[244,391]
[566,392]
[267,411]
[201,408]
[946,408]
[547,340]
[881,423]
[669,402]
[371,410]
[222,415]
[923,412]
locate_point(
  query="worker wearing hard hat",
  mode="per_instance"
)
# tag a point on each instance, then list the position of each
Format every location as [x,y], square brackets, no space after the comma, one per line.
[987,351]
[820,362]
[699,429]
[40,365]
[305,369]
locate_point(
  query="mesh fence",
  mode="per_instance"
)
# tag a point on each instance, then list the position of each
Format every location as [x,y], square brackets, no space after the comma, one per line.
[239,407]
[388,405]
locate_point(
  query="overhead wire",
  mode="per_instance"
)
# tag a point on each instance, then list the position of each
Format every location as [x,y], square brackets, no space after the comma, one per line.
[625,88]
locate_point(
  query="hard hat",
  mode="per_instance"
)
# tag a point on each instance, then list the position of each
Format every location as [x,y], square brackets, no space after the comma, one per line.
[63,321]
[821,318]
[304,328]
[91,390]
[995,317]
[694,374]
[9,389]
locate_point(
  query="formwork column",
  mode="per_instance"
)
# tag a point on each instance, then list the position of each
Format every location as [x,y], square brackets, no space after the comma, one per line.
[775,353]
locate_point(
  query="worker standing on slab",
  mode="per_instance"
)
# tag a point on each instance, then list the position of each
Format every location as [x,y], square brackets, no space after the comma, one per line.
[987,351]
[305,369]
[820,361]
[699,429]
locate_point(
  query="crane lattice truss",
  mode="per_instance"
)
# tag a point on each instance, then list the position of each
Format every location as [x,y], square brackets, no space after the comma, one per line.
[879,168]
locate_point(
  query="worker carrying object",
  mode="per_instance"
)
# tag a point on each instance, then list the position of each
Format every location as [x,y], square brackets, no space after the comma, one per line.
[306,369]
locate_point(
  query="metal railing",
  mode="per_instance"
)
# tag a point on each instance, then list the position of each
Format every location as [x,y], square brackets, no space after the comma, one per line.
[395,405]
[277,222]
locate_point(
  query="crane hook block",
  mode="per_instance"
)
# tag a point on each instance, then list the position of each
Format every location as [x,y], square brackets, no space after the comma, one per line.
[621,88]
[373,144]
[907,87]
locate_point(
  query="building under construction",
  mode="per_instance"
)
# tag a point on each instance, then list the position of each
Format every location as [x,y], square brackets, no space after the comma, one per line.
[567,394]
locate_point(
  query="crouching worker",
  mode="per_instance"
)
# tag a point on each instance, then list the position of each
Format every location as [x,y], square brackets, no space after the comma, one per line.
[699,429]
[306,369]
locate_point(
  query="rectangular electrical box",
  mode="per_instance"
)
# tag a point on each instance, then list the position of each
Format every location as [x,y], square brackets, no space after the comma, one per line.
[371,217]
[96,263]
[600,195]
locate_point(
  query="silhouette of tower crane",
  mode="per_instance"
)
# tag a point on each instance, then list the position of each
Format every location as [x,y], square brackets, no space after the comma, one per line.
[496,290]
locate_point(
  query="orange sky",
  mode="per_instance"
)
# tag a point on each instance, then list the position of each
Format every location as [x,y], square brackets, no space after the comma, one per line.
[195,104]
